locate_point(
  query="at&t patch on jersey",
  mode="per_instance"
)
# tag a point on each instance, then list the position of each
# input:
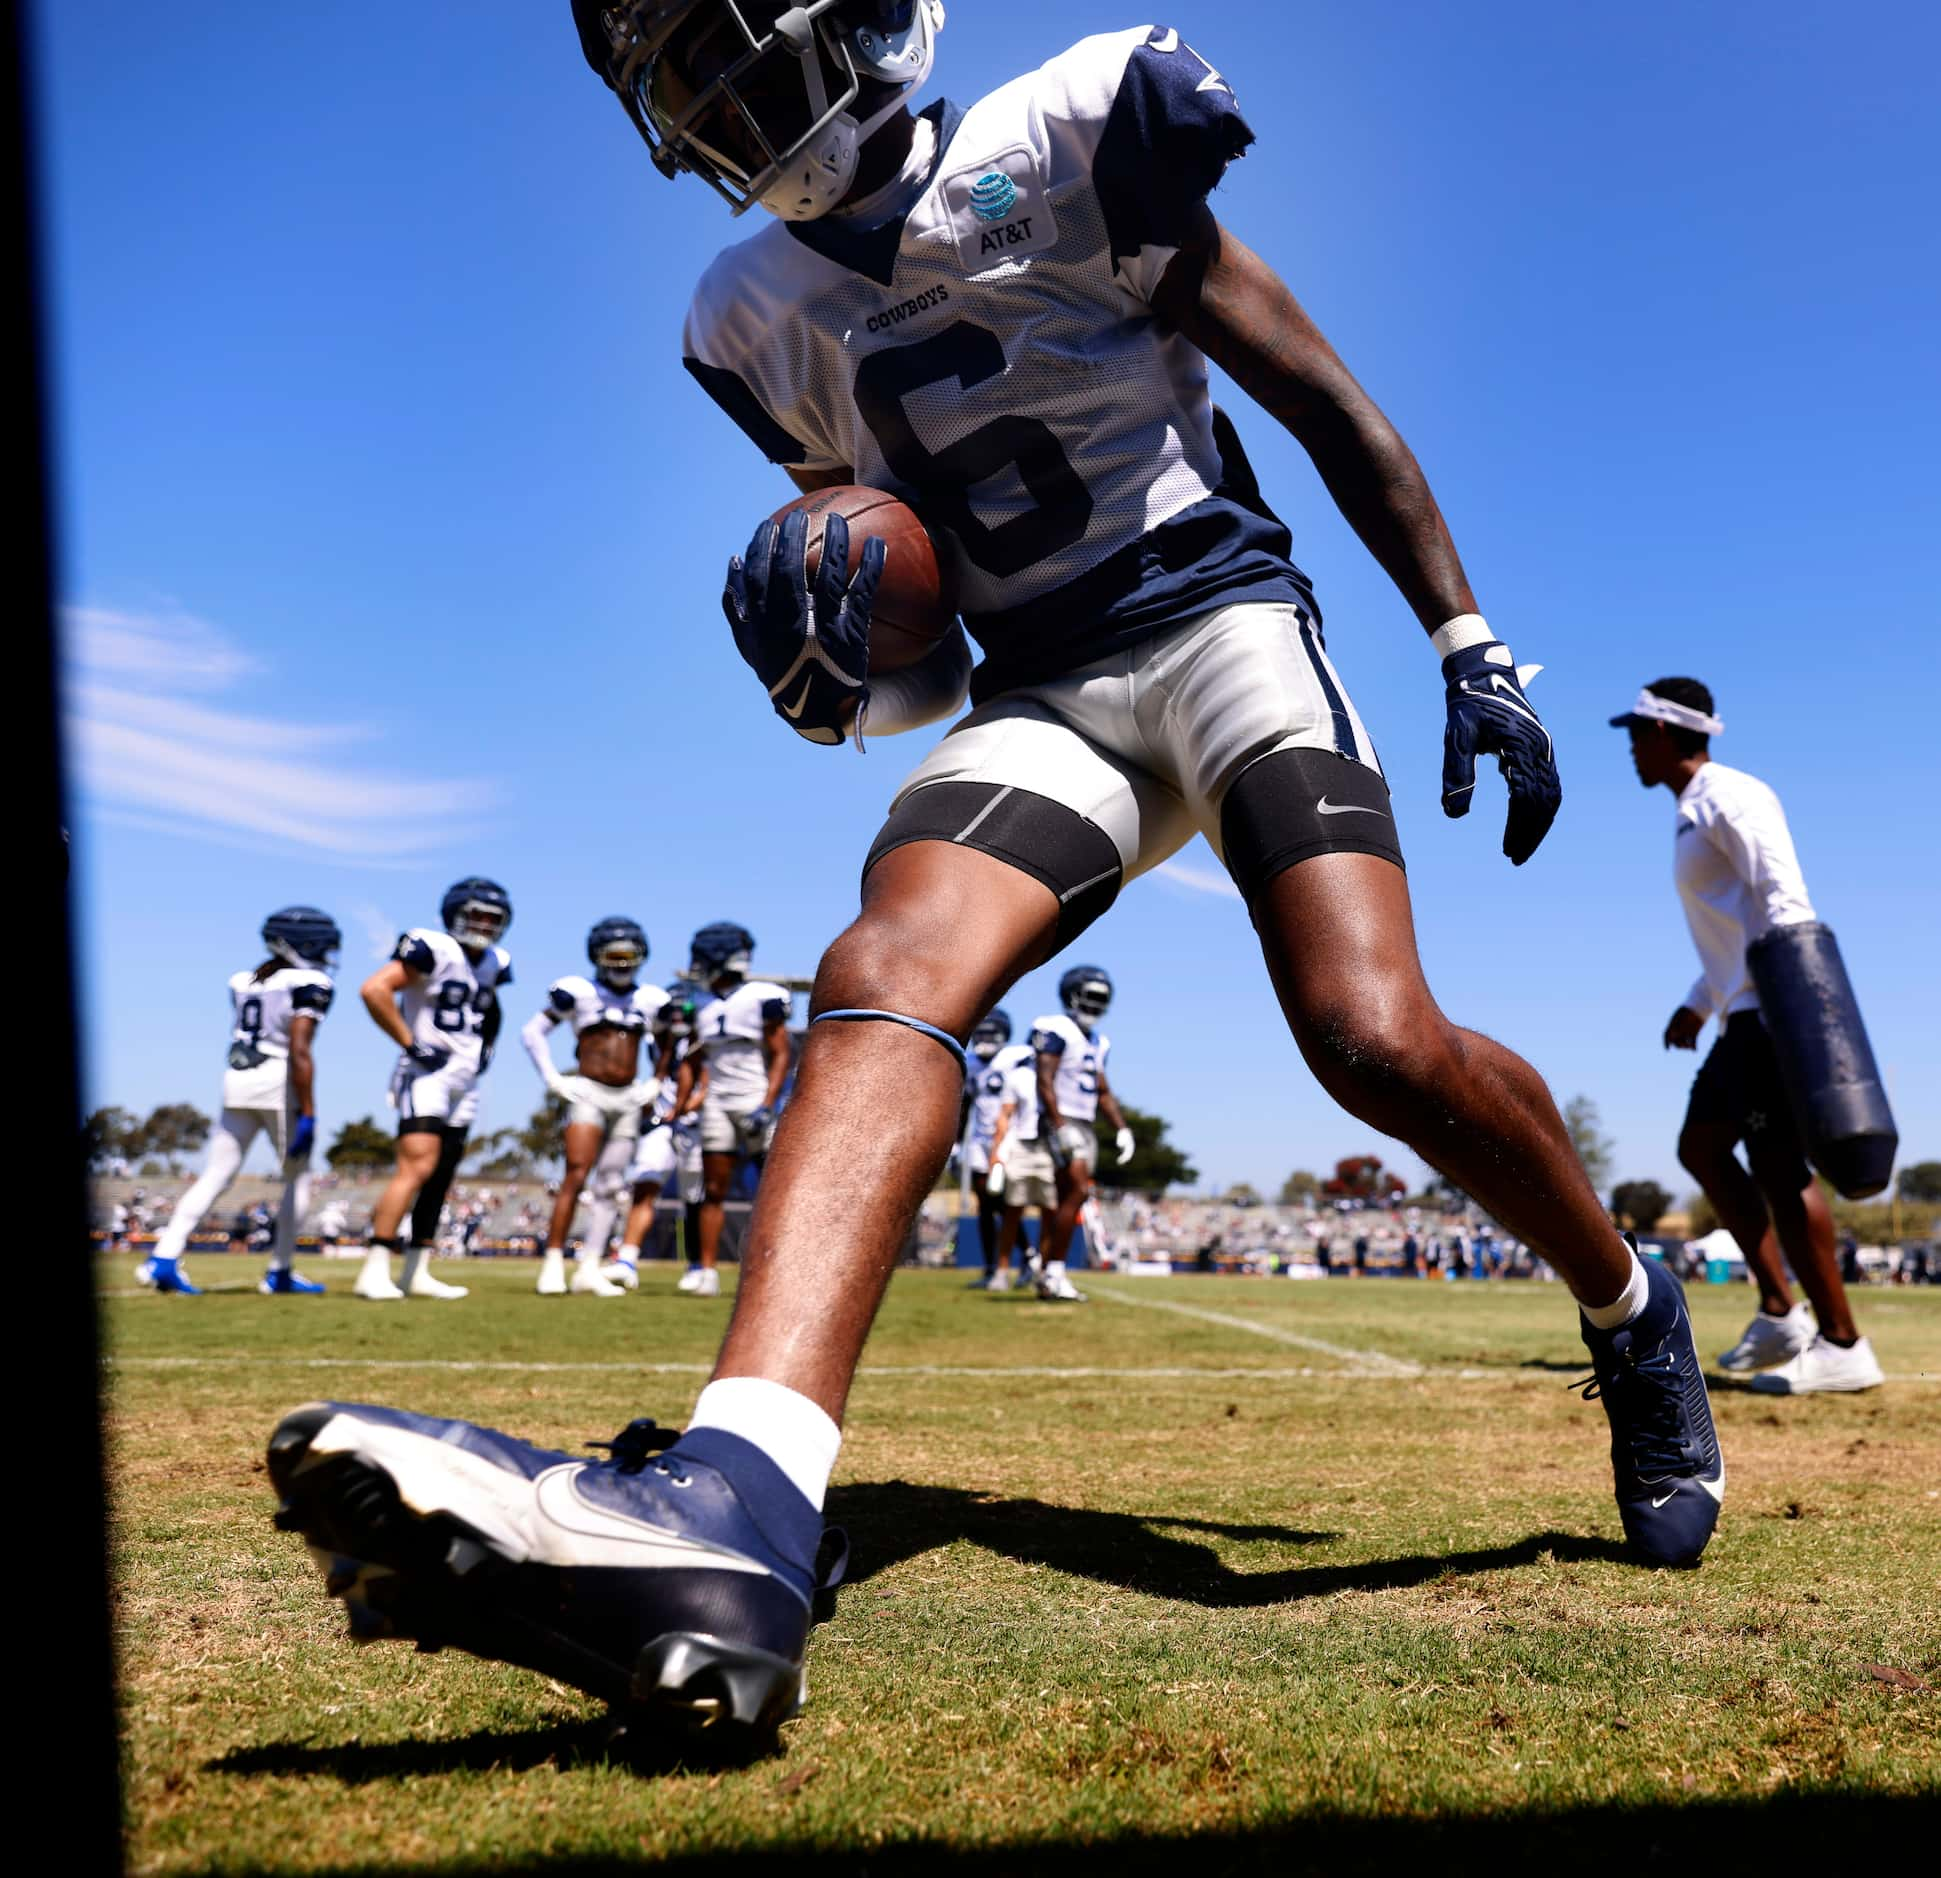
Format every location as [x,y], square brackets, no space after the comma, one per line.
[999,210]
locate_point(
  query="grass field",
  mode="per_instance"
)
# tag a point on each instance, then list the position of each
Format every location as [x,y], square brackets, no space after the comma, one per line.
[1208,1575]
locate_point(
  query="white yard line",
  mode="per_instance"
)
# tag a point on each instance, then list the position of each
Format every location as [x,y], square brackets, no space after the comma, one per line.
[1371,1360]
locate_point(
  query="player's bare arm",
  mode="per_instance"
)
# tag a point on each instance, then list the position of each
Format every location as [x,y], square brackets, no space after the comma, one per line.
[303,1065]
[1047,1074]
[778,1053]
[380,995]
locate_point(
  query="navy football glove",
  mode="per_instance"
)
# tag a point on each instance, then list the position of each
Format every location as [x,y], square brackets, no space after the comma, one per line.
[303,1137]
[811,651]
[428,1056]
[1490,716]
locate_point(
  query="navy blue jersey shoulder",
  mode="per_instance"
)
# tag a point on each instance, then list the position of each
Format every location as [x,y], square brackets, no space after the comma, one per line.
[415,953]
[775,1010]
[1173,129]
[312,998]
[560,999]
[1048,1043]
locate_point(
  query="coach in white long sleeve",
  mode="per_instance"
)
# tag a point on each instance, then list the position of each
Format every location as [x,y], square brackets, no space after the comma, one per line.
[1738,876]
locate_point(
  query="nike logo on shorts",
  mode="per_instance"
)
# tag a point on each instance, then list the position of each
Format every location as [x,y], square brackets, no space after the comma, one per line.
[1325,807]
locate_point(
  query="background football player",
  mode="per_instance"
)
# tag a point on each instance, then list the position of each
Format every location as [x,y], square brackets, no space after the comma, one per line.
[741,1037]
[611,1014]
[437,998]
[1006,315]
[1023,1173]
[670,1144]
[269,1088]
[1072,1091]
[983,1096]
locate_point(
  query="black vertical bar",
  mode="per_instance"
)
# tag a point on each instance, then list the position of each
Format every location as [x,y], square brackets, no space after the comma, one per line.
[58,1528]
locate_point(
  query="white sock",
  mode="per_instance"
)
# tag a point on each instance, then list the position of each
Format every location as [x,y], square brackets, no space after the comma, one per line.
[629,1255]
[796,1435]
[1626,1305]
[1056,1269]
[414,1262]
[377,1261]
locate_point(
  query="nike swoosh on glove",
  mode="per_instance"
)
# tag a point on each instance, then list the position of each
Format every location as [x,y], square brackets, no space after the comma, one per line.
[1489,715]
[810,650]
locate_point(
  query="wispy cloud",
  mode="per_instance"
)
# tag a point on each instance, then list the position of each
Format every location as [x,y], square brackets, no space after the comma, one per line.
[153,744]
[1198,879]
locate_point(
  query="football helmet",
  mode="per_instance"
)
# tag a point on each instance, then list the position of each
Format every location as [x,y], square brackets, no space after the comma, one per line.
[618,949]
[300,935]
[723,950]
[991,1035]
[676,1017]
[764,101]
[476,911]
[1086,992]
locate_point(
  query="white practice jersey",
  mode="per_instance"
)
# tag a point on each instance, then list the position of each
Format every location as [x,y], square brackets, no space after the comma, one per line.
[593,1004]
[1738,876]
[986,1086]
[261,1010]
[1016,1068]
[979,340]
[453,1004]
[728,1033]
[1081,1062]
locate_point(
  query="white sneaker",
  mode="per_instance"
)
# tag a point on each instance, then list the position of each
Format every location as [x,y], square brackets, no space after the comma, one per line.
[707,1282]
[1057,1287]
[552,1274]
[1823,1368]
[999,1280]
[691,1278]
[589,1281]
[624,1273]
[424,1285]
[375,1284]
[1769,1342]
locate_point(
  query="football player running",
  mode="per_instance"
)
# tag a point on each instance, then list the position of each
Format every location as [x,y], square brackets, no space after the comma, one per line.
[1072,1091]
[437,998]
[611,1013]
[741,1038]
[1005,315]
[671,1144]
[269,1088]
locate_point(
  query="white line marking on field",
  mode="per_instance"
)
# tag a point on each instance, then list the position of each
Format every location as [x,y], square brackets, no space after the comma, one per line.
[1372,1360]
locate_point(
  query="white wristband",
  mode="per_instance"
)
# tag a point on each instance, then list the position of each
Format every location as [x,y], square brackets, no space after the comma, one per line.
[1460,633]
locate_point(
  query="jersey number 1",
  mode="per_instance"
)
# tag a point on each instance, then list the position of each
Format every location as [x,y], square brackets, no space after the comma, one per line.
[944,478]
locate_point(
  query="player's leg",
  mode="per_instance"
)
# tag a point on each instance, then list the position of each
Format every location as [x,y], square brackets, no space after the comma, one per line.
[428,1209]
[606,1188]
[582,1140]
[718,1165]
[1060,1222]
[989,1210]
[1837,1358]
[420,1140]
[656,1161]
[234,1131]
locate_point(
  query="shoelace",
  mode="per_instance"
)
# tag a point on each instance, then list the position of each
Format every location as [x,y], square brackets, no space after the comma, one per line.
[1651,1413]
[636,1444]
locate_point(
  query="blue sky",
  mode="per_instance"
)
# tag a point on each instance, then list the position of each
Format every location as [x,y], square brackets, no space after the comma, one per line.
[391,529]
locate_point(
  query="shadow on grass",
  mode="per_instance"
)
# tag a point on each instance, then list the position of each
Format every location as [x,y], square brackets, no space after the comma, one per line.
[891,1521]
[1709,1835]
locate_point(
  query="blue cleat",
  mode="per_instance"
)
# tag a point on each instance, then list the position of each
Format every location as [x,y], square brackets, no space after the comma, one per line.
[1664,1449]
[166,1275]
[675,1586]
[286,1284]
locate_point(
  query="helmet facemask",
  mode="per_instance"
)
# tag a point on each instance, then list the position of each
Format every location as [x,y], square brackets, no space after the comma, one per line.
[477,923]
[764,102]
[618,962]
[1089,1002]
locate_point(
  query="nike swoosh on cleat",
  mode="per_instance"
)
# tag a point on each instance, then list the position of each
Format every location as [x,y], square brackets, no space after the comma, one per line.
[1325,807]
[600,1537]
[1666,1501]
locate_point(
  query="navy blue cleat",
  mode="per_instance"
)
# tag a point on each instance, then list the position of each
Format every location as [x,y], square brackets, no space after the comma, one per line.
[1664,1449]
[673,1580]
[285,1284]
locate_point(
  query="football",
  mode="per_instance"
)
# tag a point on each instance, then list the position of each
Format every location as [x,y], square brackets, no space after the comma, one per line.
[915,606]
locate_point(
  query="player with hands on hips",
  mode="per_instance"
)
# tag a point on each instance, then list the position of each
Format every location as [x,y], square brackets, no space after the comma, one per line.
[437,999]
[268,1088]
[670,1142]
[612,1014]
[1072,1092]
[1005,317]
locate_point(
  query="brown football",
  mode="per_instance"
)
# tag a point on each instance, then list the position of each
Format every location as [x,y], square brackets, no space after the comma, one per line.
[914,606]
